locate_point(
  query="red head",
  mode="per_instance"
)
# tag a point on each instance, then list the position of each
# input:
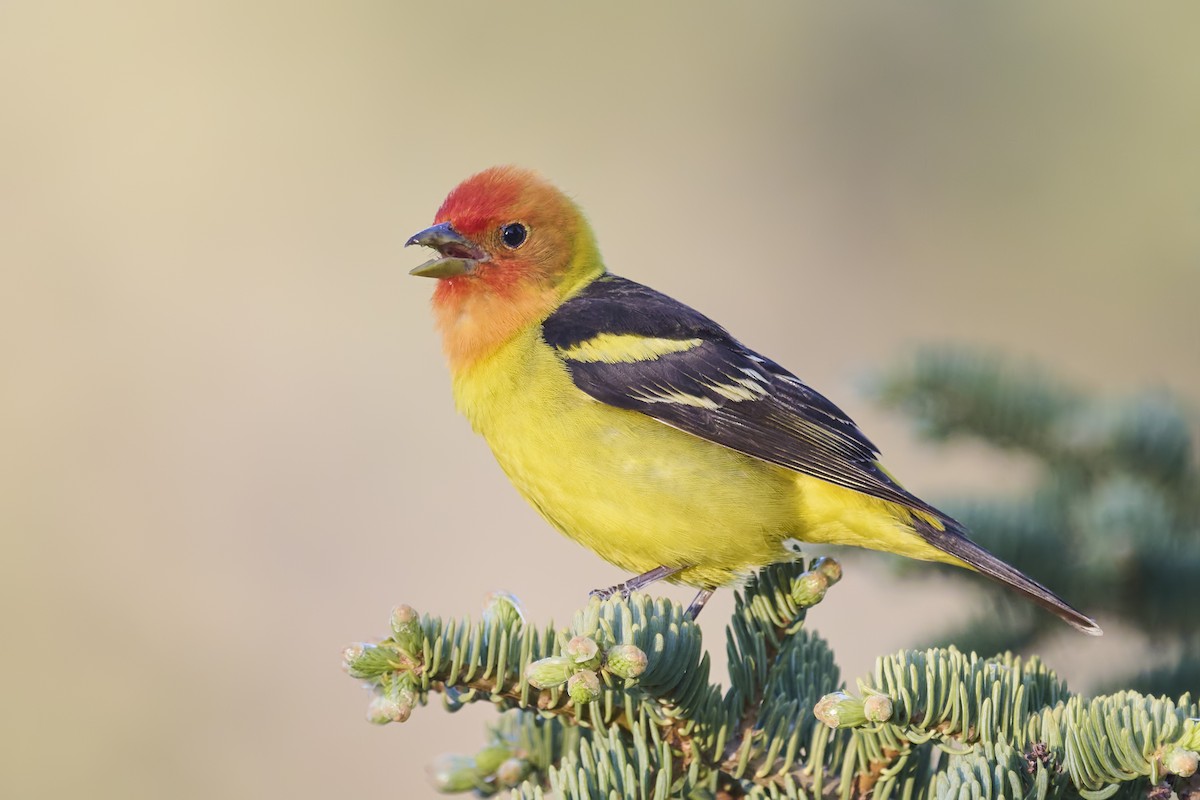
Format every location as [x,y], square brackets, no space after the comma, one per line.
[511,246]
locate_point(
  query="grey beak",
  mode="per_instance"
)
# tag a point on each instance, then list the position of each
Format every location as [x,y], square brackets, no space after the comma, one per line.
[459,255]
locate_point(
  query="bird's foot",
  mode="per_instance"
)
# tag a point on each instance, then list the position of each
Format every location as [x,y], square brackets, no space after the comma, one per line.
[604,594]
[697,605]
[634,584]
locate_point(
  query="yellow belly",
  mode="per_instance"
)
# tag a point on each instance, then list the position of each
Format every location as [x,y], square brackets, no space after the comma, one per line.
[642,494]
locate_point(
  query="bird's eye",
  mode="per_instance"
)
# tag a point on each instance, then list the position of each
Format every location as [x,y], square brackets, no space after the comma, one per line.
[513,234]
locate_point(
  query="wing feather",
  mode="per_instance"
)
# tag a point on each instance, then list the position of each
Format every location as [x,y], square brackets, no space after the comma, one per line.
[710,385]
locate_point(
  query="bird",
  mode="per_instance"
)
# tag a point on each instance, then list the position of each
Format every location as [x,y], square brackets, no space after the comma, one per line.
[642,429]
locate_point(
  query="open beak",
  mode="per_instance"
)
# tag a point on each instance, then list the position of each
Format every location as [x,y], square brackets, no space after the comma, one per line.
[458,255]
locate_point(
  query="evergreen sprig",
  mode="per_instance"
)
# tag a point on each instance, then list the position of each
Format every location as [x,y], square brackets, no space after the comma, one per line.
[934,723]
[619,704]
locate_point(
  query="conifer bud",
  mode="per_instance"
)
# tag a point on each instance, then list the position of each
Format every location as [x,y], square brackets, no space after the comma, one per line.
[512,772]
[365,661]
[877,708]
[503,608]
[452,773]
[404,695]
[351,655]
[384,709]
[1181,762]
[625,661]
[406,630]
[584,687]
[489,759]
[809,589]
[829,567]
[549,672]
[583,651]
[840,710]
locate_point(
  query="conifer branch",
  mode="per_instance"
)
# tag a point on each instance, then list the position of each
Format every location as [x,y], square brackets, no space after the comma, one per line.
[620,702]
[645,721]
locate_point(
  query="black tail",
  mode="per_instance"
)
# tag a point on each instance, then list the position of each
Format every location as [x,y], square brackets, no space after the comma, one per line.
[953,540]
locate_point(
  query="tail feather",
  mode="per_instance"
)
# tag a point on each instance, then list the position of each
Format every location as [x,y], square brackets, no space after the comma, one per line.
[953,540]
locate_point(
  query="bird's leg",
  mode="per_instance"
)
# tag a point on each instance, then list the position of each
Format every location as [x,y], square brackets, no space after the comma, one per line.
[697,605]
[633,584]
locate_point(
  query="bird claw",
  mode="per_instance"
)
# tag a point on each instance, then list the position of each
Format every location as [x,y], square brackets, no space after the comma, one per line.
[634,584]
[604,594]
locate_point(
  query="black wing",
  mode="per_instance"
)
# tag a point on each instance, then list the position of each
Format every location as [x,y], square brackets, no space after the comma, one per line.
[634,348]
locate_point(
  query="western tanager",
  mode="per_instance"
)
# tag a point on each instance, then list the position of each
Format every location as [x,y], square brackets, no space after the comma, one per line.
[642,429]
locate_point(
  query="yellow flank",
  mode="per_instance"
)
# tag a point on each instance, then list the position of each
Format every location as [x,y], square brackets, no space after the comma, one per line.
[613,348]
[642,494]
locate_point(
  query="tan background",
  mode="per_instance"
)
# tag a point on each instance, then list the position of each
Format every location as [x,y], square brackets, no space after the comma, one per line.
[227,441]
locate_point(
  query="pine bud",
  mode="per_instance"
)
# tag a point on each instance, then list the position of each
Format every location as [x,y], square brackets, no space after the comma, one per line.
[583,651]
[384,709]
[809,589]
[504,608]
[840,710]
[1181,762]
[489,759]
[452,773]
[877,708]
[829,567]
[406,630]
[584,687]
[351,655]
[512,772]
[549,672]
[402,692]
[367,661]
[625,661]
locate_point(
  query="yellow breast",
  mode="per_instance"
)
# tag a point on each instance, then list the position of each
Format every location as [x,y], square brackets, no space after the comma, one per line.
[637,492]
[642,494]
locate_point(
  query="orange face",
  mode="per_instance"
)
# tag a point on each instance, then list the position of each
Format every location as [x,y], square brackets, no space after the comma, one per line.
[502,230]
[509,245]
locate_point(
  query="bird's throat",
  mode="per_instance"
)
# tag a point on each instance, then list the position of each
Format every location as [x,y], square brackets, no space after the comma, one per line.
[475,319]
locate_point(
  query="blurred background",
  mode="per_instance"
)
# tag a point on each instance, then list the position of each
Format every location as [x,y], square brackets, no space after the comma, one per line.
[228,445]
